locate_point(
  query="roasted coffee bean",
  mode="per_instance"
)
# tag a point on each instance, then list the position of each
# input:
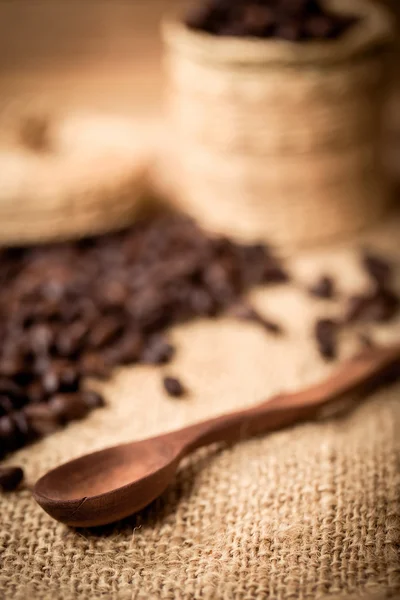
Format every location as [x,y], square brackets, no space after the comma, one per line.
[94,365]
[8,435]
[104,332]
[320,27]
[93,399]
[274,273]
[70,341]
[10,478]
[6,406]
[24,432]
[69,407]
[157,351]
[366,341]
[245,312]
[173,387]
[36,392]
[127,350]
[378,268]
[41,339]
[323,288]
[326,333]
[41,418]
[380,306]
[355,308]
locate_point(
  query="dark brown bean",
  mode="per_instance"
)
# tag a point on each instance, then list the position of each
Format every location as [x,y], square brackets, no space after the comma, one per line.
[104,332]
[326,333]
[93,399]
[41,418]
[245,312]
[366,341]
[94,365]
[323,288]
[8,435]
[10,478]
[157,351]
[378,268]
[69,407]
[173,387]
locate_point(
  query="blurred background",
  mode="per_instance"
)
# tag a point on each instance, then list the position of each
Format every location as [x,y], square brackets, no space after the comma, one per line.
[104,56]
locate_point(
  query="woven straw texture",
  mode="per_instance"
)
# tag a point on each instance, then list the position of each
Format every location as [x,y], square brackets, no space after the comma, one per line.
[311,512]
[90,181]
[279,140]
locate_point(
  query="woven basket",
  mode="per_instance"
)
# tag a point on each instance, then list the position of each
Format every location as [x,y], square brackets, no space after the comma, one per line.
[280,140]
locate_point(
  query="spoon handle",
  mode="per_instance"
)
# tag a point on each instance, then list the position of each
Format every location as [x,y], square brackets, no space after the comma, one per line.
[282,410]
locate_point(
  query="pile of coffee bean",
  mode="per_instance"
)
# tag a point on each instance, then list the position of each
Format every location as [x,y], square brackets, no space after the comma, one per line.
[77,310]
[293,20]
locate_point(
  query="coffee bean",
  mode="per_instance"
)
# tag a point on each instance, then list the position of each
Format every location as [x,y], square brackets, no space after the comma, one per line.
[127,350]
[93,399]
[326,332]
[8,435]
[36,392]
[323,288]
[366,341]
[41,338]
[379,306]
[69,407]
[173,387]
[94,365]
[378,268]
[157,351]
[41,418]
[245,312]
[104,332]
[70,341]
[10,478]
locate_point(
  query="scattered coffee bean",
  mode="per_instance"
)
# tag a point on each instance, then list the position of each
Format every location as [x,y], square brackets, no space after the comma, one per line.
[173,387]
[326,333]
[93,399]
[379,306]
[323,288]
[157,351]
[41,419]
[366,341]
[247,313]
[10,478]
[378,268]
[69,407]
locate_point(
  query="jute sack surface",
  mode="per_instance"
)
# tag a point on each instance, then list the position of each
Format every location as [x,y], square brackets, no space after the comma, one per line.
[89,181]
[273,136]
[311,512]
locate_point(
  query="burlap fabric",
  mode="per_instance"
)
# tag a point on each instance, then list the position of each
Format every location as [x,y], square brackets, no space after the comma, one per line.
[89,181]
[311,512]
[278,140]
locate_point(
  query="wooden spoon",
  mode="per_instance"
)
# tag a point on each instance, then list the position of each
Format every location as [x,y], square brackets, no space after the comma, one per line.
[105,486]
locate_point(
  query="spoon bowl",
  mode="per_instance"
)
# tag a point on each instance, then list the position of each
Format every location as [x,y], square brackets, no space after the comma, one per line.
[136,474]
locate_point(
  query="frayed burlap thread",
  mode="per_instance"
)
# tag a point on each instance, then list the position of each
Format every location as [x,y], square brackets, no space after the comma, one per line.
[309,513]
[276,140]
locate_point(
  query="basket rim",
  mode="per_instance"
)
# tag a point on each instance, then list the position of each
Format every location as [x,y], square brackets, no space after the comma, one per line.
[373,33]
